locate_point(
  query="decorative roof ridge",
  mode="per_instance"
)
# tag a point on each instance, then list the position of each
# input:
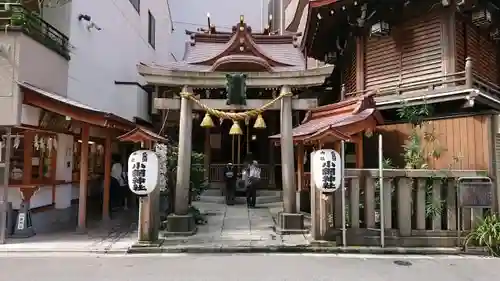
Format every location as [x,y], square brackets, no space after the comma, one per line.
[352,106]
[259,38]
[243,41]
[241,58]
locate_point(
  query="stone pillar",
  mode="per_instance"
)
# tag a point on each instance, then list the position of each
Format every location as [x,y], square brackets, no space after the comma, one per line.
[300,176]
[289,221]
[182,223]
[64,172]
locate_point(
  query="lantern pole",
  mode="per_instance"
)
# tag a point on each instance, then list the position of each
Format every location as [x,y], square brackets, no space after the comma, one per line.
[381,191]
[342,186]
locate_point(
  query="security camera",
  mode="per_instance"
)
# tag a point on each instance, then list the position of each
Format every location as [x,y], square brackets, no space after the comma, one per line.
[84,17]
[93,25]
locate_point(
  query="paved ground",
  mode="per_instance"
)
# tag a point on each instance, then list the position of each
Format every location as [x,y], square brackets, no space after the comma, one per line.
[227,226]
[236,226]
[264,267]
[116,236]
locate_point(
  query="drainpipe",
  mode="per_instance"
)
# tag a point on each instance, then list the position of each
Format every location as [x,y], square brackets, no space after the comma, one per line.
[282,17]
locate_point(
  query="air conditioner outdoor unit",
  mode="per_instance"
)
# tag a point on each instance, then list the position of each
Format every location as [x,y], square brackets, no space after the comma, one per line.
[4,7]
[380,29]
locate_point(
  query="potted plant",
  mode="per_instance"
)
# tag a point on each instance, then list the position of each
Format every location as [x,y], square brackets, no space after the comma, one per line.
[486,234]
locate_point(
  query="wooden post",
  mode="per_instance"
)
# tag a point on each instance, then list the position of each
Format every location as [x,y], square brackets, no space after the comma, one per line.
[468,72]
[107,178]
[360,65]
[360,163]
[84,168]
[29,137]
[336,199]
[208,152]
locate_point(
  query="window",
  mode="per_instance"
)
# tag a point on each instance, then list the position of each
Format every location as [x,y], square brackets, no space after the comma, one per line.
[151,29]
[136,4]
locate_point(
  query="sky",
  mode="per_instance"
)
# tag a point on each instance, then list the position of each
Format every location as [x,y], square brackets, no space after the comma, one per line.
[192,14]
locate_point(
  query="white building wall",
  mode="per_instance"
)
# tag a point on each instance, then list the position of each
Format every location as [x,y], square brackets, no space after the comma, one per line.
[99,58]
[290,10]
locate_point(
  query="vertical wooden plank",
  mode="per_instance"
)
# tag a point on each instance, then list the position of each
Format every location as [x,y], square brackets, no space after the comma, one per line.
[354,202]
[336,201]
[465,141]
[369,188]
[53,169]
[477,153]
[466,218]
[208,151]
[436,202]
[457,147]
[420,204]
[300,166]
[488,132]
[29,137]
[404,206]
[387,194]
[107,178]
[338,208]
[323,213]
[315,224]
[359,152]
[82,200]
[360,63]
[476,215]
[451,205]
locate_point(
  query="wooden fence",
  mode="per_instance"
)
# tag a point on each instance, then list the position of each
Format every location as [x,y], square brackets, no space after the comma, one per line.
[420,208]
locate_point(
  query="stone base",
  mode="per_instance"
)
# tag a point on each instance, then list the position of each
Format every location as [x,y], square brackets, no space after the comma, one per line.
[180,225]
[25,233]
[290,223]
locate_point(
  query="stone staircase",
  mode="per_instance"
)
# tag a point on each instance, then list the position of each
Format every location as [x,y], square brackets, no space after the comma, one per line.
[215,195]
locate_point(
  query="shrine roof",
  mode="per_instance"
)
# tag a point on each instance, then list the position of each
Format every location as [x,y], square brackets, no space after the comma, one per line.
[141,134]
[239,51]
[338,121]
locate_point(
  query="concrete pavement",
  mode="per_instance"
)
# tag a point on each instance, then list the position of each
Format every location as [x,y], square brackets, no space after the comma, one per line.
[231,228]
[115,236]
[263,267]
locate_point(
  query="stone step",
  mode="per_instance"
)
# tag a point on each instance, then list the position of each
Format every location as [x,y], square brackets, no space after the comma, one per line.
[260,192]
[240,200]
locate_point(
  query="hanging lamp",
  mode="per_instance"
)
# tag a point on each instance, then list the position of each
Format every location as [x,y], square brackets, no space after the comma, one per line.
[235,129]
[207,121]
[260,123]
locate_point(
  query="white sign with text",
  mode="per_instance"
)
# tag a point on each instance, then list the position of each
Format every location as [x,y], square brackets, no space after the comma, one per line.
[326,168]
[143,172]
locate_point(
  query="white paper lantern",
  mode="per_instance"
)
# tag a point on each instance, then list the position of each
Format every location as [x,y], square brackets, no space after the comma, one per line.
[325,169]
[143,172]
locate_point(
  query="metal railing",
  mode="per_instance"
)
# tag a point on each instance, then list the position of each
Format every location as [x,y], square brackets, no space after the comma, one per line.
[16,17]
[216,172]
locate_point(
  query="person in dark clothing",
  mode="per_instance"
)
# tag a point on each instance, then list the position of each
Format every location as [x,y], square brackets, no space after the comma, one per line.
[230,178]
[253,180]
